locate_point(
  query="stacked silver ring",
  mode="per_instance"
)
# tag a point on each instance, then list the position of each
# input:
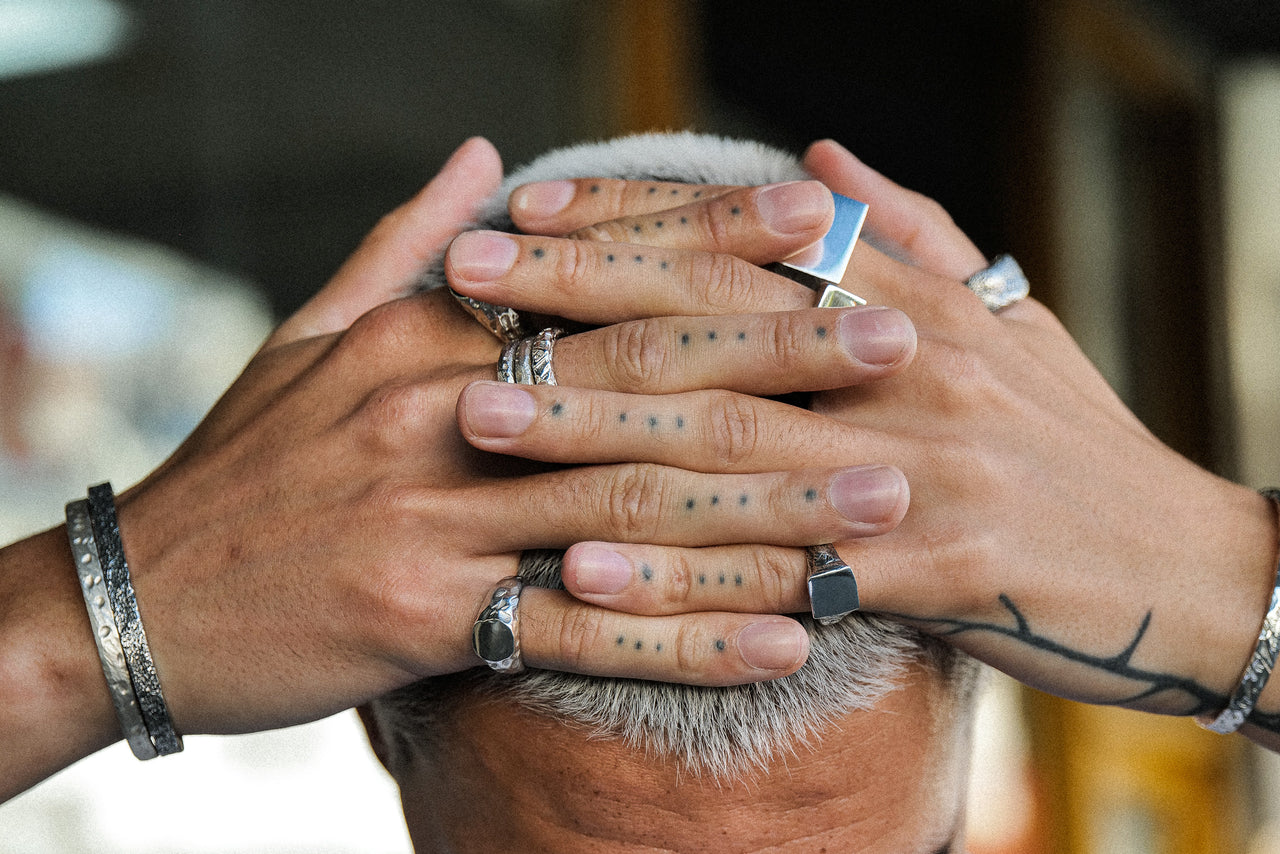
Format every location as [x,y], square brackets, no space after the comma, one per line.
[1000,285]
[528,360]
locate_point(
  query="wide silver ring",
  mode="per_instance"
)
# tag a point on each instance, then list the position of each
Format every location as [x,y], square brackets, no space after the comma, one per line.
[528,360]
[1000,285]
[495,635]
[833,591]
[503,322]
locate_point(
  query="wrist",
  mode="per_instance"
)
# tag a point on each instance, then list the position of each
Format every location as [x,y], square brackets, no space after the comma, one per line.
[54,703]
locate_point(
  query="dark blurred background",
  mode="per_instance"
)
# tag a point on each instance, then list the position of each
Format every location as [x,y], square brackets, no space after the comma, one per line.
[1090,137]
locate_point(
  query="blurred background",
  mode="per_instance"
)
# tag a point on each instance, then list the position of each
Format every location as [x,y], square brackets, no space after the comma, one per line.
[177,176]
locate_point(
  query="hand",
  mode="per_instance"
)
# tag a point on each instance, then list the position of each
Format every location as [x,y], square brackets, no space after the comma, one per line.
[1049,533]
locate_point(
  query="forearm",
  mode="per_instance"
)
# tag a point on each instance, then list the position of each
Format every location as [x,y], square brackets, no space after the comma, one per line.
[54,705]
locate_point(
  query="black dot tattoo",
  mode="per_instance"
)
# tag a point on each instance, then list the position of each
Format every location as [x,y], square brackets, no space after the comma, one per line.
[622,418]
[557,408]
[646,572]
[711,336]
[737,581]
[722,579]
[698,194]
[637,229]
[595,188]
[679,422]
[609,258]
[735,210]
[720,646]
[742,336]
[658,224]
[657,647]
[742,500]
[690,503]
[639,259]
[715,499]
[811,494]
[664,265]
[675,192]
[702,579]
[621,640]
[653,422]
[653,190]
[684,220]
[684,339]
[539,252]
[639,644]
[821,331]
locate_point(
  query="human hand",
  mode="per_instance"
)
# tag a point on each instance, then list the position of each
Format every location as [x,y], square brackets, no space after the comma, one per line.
[1049,533]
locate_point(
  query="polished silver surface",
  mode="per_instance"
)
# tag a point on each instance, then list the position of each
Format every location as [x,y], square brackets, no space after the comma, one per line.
[1000,285]
[833,591]
[828,259]
[541,351]
[495,635]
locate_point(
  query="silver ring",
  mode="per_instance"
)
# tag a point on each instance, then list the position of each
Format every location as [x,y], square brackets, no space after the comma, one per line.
[495,635]
[833,591]
[527,360]
[1000,285]
[503,322]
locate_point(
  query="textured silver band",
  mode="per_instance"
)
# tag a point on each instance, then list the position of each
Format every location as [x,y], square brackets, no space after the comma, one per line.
[1261,663]
[541,349]
[106,635]
[137,653]
[503,322]
[528,360]
[833,590]
[1000,285]
[495,635]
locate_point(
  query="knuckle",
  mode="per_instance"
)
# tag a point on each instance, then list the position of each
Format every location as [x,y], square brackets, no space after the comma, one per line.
[778,576]
[573,264]
[726,282]
[790,335]
[634,499]
[714,223]
[581,631]
[678,589]
[392,415]
[735,431]
[637,356]
[389,327]
[612,231]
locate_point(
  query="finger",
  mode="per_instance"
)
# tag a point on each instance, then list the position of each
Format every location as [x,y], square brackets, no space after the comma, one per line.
[707,431]
[600,283]
[645,579]
[761,354]
[757,224]
[558,632]
[643,502]
[909,224]
[399,247]
[556,208]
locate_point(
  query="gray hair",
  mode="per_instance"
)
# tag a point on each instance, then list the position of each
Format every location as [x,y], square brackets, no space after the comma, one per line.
[724,733]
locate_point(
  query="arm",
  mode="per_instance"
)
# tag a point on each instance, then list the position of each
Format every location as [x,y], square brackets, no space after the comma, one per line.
[1049,533]
[325,536]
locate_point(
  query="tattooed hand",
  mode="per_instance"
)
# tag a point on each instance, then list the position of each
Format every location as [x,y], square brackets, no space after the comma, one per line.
[1049,533]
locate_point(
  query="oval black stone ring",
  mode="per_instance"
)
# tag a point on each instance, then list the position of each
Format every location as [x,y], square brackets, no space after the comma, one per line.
[495,636]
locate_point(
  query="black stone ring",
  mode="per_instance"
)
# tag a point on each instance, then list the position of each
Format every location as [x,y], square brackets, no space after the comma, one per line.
[833,591]
[495,636]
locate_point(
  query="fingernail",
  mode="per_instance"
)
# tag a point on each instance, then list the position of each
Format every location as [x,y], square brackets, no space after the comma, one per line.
[876,335]
[601,570]
[498,410]
[795,206]
[543,198]
[482,256]
[866,493]
[775,645]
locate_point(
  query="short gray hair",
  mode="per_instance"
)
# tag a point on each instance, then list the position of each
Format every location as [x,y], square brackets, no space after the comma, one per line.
[726,732]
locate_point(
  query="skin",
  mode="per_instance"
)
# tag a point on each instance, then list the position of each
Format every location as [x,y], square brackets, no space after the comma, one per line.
[308,547]
[1049,533]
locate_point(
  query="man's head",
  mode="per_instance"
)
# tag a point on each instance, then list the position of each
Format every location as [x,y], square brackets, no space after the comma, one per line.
[722,733]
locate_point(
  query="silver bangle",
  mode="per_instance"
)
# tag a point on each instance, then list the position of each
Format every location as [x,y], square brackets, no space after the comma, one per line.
[106,635]
[1258,671]
[137,653]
